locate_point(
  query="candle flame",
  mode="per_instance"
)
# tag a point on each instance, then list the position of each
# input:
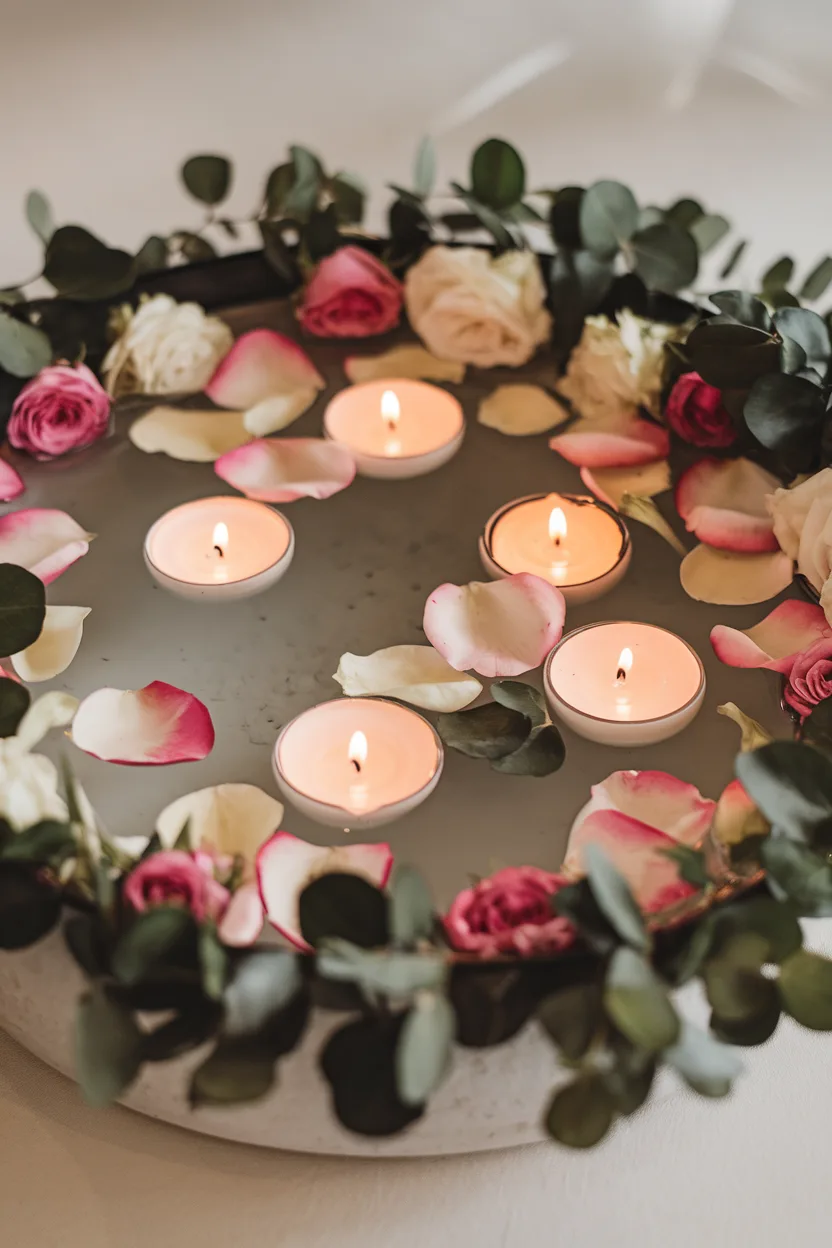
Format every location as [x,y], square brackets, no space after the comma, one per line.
[390,409]
[557,525]
[357,752]
[625,662]
[220,539]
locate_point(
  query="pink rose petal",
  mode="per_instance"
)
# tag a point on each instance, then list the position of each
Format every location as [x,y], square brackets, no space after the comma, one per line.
[151,726]
[728,579]
[656,798]
[723,501]
[242,922]
[286,865]
[627,444]
[279,470]
[262,363]
[496,628]
[11,482]
[46,542]
[789,629]
[635,849]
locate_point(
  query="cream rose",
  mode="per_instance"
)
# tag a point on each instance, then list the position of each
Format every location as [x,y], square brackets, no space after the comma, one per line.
[803,526]
[166,348]
[467,306]
[29,782]
[618,365]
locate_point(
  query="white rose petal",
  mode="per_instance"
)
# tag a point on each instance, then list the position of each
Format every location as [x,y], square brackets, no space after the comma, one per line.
[166,348]
[414,674]
[617,365]
[56,647]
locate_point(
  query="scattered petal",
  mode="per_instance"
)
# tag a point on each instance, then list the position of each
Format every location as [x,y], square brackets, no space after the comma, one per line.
[11,482]
[408,362]
[278,411]
[637,507]
[723,501]
[43,541]
[198,437]
[279,470]
[753,734]
[286,865]
[736,816]
[626,444]
[637,851]
[225,819]
[151,726]
[496,628]
[52,710]
[789,629]
[521,410]
[414,674]
[243,920]
[611,484]
[56,647]
[731,580]
[262,364]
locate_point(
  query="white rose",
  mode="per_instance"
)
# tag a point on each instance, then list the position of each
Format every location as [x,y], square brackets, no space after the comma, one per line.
[467,306]
[166,348]
[803,526]
[29,782]
[618,365]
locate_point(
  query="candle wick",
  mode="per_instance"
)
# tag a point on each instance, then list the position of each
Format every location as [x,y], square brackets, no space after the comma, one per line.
[620,676]
[392,425]
[220,551]
[557,541]
[356,765]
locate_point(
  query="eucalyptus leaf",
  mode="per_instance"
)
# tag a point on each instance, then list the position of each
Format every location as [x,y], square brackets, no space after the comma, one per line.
[817,281]
[736,254]
[423,1053]
[261,983]
[278,254]
[665,256]
[684,212]
[791,783]
[541,754]
[521,697]
[39,215]
[737,990]
[320,233]
[775,921]
[11,296]
[807,329]
[207,178]
[690,863]
[152,255]
[581,1113]
[792,356]
[778,275]
[637,1002]
[805,986]
[108,1048]
[748,1032]
[359,1063]
[816,728]
[278,185]
[743,307]
[708,230]
[608,217]
[388,974]
[80,266]
[306,187]
[44,842]
[349,196]
[345,906]
[565,217]
[24,349]
[238,1071]
[572,1016]
[424,168]
[490,731]
[487,217]
[180,1034]
[151,935]
[732,355]
[29,906]
[706,1065]
[22,608]
[795,872]
[411,907]
[612,893]
[195,247]
[14,703]
[498,177]
[213,960]
[786,414]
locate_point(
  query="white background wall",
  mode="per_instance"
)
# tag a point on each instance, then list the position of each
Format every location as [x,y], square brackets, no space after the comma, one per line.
[101,101]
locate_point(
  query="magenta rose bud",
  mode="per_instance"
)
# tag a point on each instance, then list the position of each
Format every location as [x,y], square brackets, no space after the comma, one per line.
[810,680]
[351,295]
[510,912]
[175,878]
[696,412]
[63,409]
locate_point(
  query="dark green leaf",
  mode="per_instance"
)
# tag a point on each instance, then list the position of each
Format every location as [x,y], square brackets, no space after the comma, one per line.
[278,185]
[782,298]
[805,985]
[637,1002]
[498,178]
[791,784]
[320,233]
[389,974]
[409,227]
[194,247]
[778,276]
[732,356]
[736,988]
[86,940]
[684,212]
[423,1053]
[44,842]
[487,218]
[565,217]
[489,731]
[743,307]
[650,215]
[578,284]
[690,863]
[22,608]
[236,1072]
[796,872]
[261,985]
[734,258]
[152,255]
[572,1016]
[518,696]
[748,1031]
[705,1064]
[108,1048]
[786,414]
[213,958]
[207,178]
[807,329]
[581,1113]
[344,906]
[792,356]
[11,296]
[577,903]
[613,895]
[424,168]
[816,728]
[775,921]
[24,349]
[492,1003]
[80,266]
[665,257]
[349,197]
[460,222]
[608,217]
[359,1063]
[695,941]
[29,905]
[279,256]
[151,935]
[14,703]
[411,907]
[306,187]
[709,230]
[631,1077]
[818,280]
[180,1034]
[39,215]
[541,754]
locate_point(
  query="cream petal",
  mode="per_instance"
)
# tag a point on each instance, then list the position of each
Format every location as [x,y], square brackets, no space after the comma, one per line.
[57,646]
[403,362]
[786,631]
[736,816]
[145,727]
[752,734]
[723,501]
[279,410]
[496,628]
[611,484]
[728,579]
[521,410]
[261,364]
[226,818]
[52,710]
[286,865]
[198,437]
[44,541]
[280,470]
[414,674]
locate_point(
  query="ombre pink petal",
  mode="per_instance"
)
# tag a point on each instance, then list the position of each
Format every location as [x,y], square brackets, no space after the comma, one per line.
[286,865]
[44,541]
[262,363]
[144,727]
[279,470]
[636,442]
[496,628]
[635,849]
[723,501]
[736,816]
[11,482]
[243,920]
[788,630]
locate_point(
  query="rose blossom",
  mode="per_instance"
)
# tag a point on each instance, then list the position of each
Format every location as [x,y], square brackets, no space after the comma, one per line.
[617,365]
[166,348]
[802,519]
[351,294]
[63,409]
[510,912]
[173,877]
[810,680]
[696,412]
[467,306]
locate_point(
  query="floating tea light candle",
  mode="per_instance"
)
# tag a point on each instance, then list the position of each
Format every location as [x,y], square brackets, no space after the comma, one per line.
[396,428]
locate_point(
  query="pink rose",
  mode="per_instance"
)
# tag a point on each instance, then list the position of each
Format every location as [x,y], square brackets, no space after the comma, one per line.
[810,680]
[175,878]
[510,912]
[696,412]
[350,295]
[63,409]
